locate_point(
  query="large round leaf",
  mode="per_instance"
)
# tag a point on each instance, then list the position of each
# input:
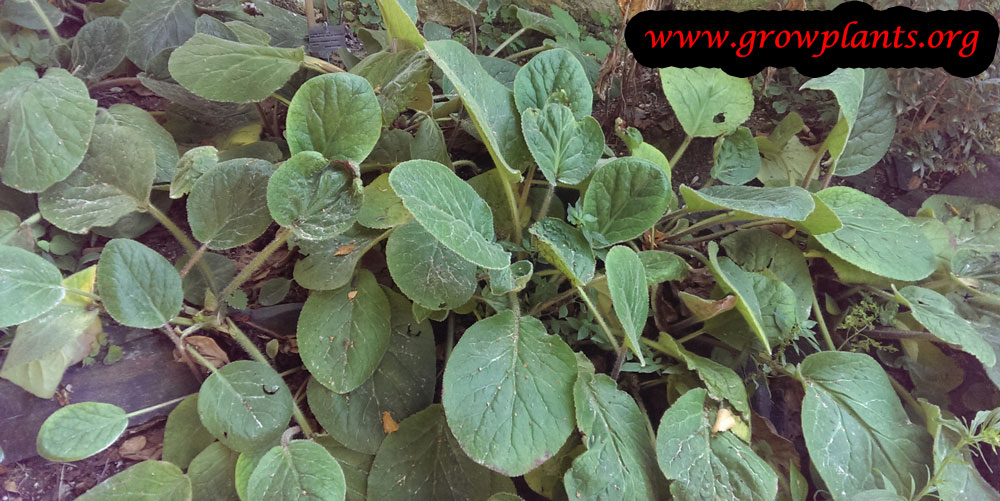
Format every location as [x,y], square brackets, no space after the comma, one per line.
[81,430]
[140,120]
[99,47]
[565,150]
[422,460]
[246,405]
[228,205]
[450,210]
[402,384]
[301,469]
[789,202]
[427,271]
[46,125]
[625,197]
[155,25]
[146,481]
[553,71]
[699,96]
[113,181]
[875,237]
[29,286]
[508,378]
[336,115]
[313,198]
[139,288]
[566,248]
[344,333]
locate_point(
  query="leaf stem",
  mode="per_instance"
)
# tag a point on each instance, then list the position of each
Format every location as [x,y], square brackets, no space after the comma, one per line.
[701,225]
[511,38]
[79,292]
[814,165]
[45,20]
[560,298]
[690,336]
[315,63]
[600,318]
[818,313]
[515,214]
[192,259]
[680,150]
[185,242]
[680,249]
[526,52]
[258,260]
[546,201]
[722,233]
[157,406]
[179,345]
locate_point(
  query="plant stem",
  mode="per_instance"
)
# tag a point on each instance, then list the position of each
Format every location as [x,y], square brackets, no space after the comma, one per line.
[193,259]
[526,52]
[450,337]
[901,334]
[157,406]
[722,233]
[515,214]
[813,166]
[700,225]
[546,201]
[179,345]
[459,163]
[829,177]
[680,249]
[281,99]
[906,396]
[258,260]
[818,313]
[185,242]
[560,298]
[315,63]
[45,20]
[690,336]
[511,38]
[515,304]
[78,292]
[680,150]
[600,318]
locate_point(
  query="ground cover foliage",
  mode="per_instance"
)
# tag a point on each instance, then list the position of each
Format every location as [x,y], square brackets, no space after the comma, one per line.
[552,318]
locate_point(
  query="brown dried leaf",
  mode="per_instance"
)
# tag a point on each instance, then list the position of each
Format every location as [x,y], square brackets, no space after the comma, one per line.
[389,425]
[132,445]
[344,250]
[11,486]
[352,294]
[208,348]
[704,309]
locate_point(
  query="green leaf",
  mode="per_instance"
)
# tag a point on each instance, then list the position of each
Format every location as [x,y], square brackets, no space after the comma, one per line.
[422,460]
[762,301]
[663,266]
[866,103]
[450,210]
[398,23]
[43,348]
[979,269]
[29,286]
[629,293]
[736,157]
[114,180]
[703,465]
[959,479]
[752,202]
[314,199]
[344,333]
[81,430]
[507,377]
[195,284]
[554,71]
[855,428]
[641,149]
[566,248]
[184,437]
[248,34]
[212,473]
[699,96]
[513,278]
[381,207]
[620,462]
[155,25]
[756,250]
[539,22]
[337,115]
[232,72]
[875,237]
[427,271]
[626,197]
[355,466]
[228,205]
[146,481]
[330,263]
[787,166]
[490,105]
[301,469]
[140,120]
[429,143]
[402,77]
[138,286]
[211,26]
[402,385]
[565,150]
[822,220]
[46,123]
[273,291]
[720,381]
[22,13]
[246,405]
[938,316]
[191,166]
[99,47]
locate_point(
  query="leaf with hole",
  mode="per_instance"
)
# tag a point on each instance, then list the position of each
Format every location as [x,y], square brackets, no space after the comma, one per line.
[508,377]
[312,197]
[707,101]
[81,430]
[246,405]
[344,333]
